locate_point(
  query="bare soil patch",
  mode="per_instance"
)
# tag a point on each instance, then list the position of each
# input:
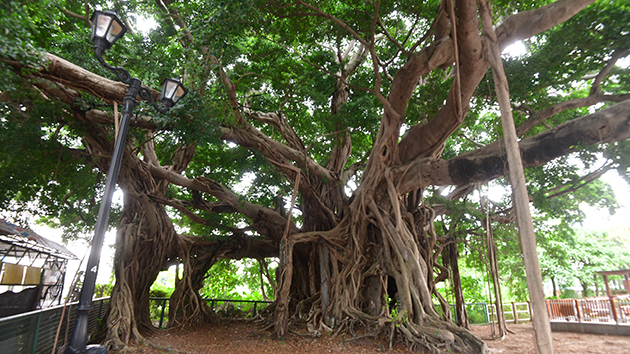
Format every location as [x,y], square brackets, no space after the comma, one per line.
[522,340]
[233,337]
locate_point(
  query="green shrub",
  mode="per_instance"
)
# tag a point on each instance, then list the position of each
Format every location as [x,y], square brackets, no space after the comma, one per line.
[155,306]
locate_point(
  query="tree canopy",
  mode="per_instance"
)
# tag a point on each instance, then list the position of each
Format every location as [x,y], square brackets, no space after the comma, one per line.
[330,134]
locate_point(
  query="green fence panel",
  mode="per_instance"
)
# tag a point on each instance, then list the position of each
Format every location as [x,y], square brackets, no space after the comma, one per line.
[34,332]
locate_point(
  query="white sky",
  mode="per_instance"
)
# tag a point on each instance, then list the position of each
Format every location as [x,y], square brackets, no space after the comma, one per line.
[81,250]
[600,219]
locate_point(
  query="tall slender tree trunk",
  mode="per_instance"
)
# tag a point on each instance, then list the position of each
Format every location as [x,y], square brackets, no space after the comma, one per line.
[146,240]
[542,327]
[494,272]
[460,301]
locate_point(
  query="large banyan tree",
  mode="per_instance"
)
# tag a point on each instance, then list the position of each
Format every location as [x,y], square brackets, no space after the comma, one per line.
[321,132]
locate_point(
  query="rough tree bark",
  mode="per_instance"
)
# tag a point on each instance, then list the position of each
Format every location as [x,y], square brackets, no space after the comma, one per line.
[186,307]
[138,260]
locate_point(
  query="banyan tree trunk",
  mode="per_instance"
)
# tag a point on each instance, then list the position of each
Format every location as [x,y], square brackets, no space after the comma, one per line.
[379,239]
[145,240]
[371,240]
[187,308]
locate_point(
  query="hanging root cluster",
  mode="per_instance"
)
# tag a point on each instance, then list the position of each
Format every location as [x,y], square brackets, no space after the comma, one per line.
[380,241]
[188,308]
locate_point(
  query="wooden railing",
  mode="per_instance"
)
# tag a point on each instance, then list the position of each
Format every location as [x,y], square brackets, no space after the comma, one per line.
[598,309]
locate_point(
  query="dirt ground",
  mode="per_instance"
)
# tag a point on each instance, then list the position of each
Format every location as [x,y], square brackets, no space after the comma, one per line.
[242,337]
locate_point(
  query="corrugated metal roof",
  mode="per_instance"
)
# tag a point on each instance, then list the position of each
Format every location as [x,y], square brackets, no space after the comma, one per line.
[28,239]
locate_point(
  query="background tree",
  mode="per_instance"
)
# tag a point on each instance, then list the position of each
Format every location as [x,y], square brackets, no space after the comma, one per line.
[361,110]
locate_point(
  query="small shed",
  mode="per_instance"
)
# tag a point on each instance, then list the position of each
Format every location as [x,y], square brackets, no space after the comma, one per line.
[32,270]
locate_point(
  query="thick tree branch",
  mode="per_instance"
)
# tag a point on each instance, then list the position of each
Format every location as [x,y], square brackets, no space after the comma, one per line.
[102,117]
[539,117]
[605,126]
[595,96]
[529,23]
[85,18]
[61,71]
[183,205]
[266,222]
[275,152]
[418,142]
[280,123]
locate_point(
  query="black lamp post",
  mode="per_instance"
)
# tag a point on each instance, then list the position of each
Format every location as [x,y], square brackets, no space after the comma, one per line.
[106,30]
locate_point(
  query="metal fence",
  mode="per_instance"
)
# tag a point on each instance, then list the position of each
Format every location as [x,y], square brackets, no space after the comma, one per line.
[593,310]
[34,332]
[478,313]
[246,307]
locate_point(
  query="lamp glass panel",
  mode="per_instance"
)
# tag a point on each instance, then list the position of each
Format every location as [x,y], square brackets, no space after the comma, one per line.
[169,90]
[179,93]
[114,31]
[102,24]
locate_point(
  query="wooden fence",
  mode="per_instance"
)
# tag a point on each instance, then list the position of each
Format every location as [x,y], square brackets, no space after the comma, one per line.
[597,309]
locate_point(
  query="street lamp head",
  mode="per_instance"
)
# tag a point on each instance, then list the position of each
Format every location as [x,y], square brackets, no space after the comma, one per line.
[172,91]
[106,29]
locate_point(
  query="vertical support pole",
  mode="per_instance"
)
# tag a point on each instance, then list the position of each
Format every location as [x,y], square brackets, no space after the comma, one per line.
[35,337]
[79,337]
[613,310]
[255,306]
[578,309]
[162,313]
[514,312]
[541,324]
